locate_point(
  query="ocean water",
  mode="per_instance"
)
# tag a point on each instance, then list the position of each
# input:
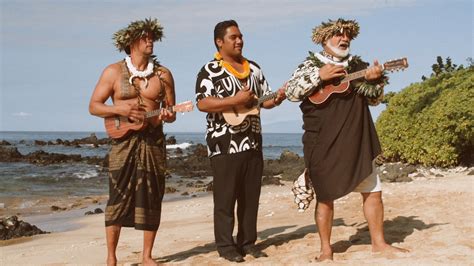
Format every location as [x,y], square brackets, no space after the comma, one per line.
[28,180]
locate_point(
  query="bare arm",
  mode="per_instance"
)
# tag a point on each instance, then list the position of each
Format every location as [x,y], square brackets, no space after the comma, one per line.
[277,100]
[105,89]
[216,105]
[170,96]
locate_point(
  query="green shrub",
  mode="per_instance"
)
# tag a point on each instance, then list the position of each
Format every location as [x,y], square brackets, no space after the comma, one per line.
[432,122]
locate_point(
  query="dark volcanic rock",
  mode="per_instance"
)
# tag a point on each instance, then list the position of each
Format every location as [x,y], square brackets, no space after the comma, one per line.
[396,172]
[11,227]
[45,158]
[5,143]
[9,154]
[419,175]
[289,166]
[57,208]
[195,163]
[96,211]
[91,140]
[171,140]
[170,190]
[271,180]
[40,143]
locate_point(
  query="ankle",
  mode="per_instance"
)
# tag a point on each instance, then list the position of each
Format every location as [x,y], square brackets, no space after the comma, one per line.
[379,246]
[326,249]
[149,261]
[111,260]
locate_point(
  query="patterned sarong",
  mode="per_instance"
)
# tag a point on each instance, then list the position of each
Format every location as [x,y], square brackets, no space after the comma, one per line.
[136,180]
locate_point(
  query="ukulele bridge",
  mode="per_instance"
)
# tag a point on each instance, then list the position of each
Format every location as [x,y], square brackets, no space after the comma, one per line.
[117,122]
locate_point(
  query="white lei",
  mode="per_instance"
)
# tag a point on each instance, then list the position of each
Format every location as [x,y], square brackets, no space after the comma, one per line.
[326,60]
[140,74]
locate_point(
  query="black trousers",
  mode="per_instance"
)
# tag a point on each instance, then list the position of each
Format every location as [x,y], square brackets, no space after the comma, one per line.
[237,177]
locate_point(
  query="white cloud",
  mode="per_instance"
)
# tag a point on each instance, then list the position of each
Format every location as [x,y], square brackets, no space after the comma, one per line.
[22,114]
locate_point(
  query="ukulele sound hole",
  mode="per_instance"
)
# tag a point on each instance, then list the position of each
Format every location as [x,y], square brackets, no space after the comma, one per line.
[130,120]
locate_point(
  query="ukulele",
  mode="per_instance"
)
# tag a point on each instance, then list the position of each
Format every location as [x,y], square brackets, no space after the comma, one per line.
[341,85]
[120,126]
[237,114]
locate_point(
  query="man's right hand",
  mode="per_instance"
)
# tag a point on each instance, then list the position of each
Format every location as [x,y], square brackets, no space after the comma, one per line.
[244,97]
[135,112]
[329,71]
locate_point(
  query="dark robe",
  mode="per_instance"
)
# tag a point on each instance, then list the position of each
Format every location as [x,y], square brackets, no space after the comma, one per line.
[340,143]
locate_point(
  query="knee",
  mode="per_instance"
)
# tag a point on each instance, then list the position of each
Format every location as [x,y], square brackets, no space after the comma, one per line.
[325,206]
[373,197]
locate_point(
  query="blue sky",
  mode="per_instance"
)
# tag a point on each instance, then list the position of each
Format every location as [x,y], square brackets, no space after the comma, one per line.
[53,52]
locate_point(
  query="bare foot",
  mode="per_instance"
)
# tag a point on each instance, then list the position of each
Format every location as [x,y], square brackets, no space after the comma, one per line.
[149,262]
[324,256]
[389,248]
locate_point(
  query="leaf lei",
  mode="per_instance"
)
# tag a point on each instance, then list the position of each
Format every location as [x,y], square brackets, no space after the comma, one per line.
[368,89]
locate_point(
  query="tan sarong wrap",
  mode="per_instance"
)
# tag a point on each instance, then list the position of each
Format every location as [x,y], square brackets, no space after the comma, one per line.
[137,165]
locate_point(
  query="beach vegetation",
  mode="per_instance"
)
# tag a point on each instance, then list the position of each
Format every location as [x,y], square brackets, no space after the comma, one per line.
[431,122]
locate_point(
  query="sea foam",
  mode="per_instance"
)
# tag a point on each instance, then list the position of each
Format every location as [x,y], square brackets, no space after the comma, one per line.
[182,146]
[86,174]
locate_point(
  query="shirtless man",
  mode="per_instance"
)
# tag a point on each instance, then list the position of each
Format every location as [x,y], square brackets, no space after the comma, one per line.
[137,161]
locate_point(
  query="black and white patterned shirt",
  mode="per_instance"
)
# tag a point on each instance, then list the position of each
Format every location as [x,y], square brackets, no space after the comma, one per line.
[214,80]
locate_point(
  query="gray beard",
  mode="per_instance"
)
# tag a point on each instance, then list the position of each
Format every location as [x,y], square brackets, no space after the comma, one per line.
[338,52]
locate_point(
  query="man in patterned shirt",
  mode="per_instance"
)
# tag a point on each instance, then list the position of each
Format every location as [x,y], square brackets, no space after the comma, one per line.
[340,141]
[225,85]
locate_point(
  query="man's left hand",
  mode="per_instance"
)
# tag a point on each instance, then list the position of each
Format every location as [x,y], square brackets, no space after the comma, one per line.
[167,116]
[374,72]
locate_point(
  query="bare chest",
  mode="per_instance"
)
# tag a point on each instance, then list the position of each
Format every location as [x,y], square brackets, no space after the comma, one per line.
[152,90]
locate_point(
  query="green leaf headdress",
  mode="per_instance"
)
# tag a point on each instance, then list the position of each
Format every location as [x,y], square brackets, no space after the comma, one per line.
[328,29]
[135,30]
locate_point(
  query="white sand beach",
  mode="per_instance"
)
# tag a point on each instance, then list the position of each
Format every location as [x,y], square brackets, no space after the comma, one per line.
[431,216]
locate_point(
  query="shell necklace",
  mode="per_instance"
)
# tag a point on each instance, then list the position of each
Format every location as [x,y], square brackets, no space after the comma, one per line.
[139,74]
